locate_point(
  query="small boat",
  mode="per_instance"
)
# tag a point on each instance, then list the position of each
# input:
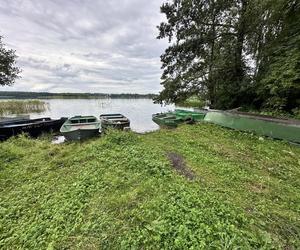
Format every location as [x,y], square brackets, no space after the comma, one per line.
[195,115]
[114,121]
[168,119]
[33,127]
[80,127]
[277,128]
[179,116]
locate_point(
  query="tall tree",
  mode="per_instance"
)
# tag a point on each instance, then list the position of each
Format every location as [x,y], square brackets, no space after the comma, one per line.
[278,75]
[232,52]
[8,69]
[206,52]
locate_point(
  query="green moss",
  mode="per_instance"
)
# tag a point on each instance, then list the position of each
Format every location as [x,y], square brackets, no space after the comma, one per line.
[120,191]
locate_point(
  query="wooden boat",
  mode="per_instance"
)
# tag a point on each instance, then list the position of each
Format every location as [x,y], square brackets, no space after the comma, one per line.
[33,127]
[114,121]
[80,127]
[179,116]
[284,129]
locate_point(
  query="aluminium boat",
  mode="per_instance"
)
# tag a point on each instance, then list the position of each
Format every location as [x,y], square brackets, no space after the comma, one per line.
[277,128]
[80,128]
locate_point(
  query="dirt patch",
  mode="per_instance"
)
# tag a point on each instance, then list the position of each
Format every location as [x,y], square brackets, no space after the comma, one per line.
[258,188]
[180,166]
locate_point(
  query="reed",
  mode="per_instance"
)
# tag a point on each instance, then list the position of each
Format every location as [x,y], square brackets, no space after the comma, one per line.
[12,107]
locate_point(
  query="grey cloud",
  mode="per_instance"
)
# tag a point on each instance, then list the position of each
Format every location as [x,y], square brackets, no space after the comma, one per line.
[77,45]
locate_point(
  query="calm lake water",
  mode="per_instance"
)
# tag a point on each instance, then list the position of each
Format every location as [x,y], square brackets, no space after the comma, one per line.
[139,111]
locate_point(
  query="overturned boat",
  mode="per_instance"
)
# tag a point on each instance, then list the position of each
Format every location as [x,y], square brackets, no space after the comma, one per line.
[277,128]
[80,128]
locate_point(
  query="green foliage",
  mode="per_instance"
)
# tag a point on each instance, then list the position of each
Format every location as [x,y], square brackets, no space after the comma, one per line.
[193,101]
[232,53]
[120,192]
[278,85]
[8,70]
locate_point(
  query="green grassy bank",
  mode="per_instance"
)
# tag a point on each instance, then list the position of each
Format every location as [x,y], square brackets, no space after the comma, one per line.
[197,187]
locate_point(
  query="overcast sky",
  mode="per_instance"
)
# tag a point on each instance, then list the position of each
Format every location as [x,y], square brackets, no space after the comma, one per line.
[107,46]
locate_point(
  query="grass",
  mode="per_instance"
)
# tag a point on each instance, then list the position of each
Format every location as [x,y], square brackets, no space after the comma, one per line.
[121,191]
[22,107]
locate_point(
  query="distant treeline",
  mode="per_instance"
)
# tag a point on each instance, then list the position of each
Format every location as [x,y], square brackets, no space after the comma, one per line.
[47,95]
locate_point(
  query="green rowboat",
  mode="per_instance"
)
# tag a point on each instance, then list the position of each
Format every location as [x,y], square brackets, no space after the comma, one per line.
[195,115]
[284,129]
[80,128]
[179,116]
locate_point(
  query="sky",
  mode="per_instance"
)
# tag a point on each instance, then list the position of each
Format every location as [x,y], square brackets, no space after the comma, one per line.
[99,46]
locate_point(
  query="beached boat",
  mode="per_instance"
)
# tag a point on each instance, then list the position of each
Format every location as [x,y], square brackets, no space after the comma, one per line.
[168,119]
[80,127]
[195,115]
[284,129]
[114,121]
[174,118]
[33,127]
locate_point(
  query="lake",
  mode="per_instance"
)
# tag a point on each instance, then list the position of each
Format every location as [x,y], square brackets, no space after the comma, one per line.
[139,111]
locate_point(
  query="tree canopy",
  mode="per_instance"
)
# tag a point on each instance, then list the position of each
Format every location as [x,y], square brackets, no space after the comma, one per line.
[232,52]
[8,69]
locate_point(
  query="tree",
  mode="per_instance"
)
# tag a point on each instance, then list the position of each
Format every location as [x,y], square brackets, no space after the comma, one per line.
[8,69]
[206,52]
[232,52]
[278,77]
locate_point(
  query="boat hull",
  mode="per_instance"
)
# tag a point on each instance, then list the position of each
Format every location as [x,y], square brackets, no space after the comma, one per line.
[173,119]
[166,120]
[277,130]
[80,127]
[196,116]
[33,127]
[80,134]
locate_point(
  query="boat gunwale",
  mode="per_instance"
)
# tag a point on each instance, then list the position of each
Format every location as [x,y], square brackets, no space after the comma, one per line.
[284,121]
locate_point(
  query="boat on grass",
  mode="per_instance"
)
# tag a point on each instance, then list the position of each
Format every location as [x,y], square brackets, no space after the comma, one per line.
[80,128]
[33,127]
[179,116]
[114,121]
[277,128]
[195,115]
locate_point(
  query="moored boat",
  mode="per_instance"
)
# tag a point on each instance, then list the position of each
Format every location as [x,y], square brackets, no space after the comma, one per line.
[80,127]
[284,129]
[174,118]
[33,127]
[168,119]
[114,121]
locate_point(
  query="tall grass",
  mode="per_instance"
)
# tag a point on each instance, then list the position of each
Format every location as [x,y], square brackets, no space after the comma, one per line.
[22,107]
